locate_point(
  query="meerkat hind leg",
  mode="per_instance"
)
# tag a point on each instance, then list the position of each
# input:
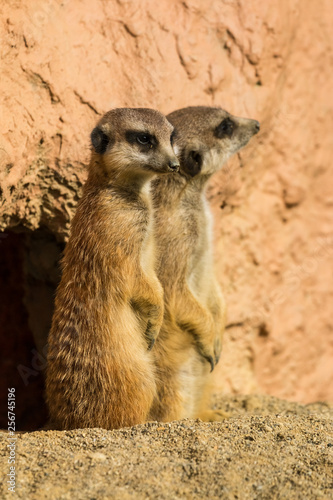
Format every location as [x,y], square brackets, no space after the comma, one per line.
[213,415]
[205,388]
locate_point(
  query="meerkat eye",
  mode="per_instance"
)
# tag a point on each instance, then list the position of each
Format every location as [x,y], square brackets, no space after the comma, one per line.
[225,129]
[143,139]
[172,137]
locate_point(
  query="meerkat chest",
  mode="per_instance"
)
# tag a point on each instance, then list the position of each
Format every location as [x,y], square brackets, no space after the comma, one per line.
[201,259]
[147,254]
[147,257]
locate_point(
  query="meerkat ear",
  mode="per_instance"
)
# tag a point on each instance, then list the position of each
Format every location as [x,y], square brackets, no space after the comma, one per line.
[99,140]
[192,163]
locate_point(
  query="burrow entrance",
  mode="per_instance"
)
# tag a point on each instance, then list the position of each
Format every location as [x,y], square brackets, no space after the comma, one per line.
[29,273]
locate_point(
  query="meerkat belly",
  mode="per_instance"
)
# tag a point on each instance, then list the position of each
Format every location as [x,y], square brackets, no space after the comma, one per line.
[147,257]
[201,262]
[192,381]
[200,276]
[147,251]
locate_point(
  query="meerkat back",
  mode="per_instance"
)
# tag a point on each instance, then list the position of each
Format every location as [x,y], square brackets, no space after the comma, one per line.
[109,304]
[190,340]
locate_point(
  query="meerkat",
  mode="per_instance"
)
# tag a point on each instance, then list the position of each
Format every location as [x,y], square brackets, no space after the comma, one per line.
[190,340]
[109,304]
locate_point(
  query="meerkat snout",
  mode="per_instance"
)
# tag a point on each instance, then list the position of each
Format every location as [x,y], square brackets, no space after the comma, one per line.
[173,165]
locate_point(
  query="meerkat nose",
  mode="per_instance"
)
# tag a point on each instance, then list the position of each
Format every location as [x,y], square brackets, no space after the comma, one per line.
[257,126]
[173,165]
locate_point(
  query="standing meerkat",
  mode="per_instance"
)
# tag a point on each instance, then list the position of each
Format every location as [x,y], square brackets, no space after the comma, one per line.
[109,304]
[190,340]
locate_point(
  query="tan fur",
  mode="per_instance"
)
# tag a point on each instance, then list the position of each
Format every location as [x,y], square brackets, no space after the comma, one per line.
[190,340]
[109,304]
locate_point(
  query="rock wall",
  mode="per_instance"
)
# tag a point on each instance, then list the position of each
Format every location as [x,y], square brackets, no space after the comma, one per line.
[63,64]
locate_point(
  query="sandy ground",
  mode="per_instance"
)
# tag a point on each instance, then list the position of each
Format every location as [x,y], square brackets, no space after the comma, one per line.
[268,449]
[65,63]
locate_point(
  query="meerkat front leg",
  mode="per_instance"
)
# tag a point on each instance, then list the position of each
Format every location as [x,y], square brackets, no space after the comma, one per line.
[217,307]
[191,316]
[149,307]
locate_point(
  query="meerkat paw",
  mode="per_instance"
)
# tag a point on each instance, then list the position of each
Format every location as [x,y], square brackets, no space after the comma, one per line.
[151,334]
[211,351]
[207,351]
[213,415]
[217,348]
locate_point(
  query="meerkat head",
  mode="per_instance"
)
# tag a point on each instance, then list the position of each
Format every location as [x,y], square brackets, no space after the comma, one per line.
[133,141]
[207,137]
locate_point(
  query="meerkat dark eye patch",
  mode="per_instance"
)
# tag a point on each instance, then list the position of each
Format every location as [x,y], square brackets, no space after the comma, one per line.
[225,129]
[192,163]
[99,140]
[173,136]
[144,139]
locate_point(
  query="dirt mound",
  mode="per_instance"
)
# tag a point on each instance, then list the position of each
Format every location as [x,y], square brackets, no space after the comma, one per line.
[268,449]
